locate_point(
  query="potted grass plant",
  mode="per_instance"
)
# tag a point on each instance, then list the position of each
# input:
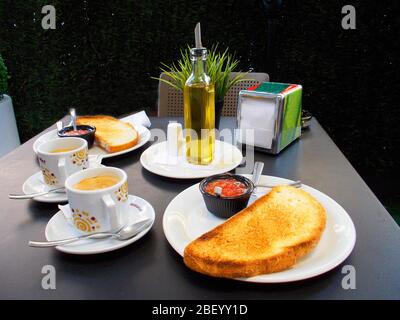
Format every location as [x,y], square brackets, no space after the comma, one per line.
[8,125]
[219,66]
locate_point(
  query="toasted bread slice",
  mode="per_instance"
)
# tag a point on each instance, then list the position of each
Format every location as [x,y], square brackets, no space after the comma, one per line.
[268,236]
[112,134]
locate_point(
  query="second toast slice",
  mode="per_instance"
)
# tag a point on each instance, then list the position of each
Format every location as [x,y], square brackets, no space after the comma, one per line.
[112,134]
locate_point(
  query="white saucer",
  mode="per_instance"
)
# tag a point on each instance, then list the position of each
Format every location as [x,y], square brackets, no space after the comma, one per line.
[144,134]
[35,183]
[226,158]
[187,217]
[58,228]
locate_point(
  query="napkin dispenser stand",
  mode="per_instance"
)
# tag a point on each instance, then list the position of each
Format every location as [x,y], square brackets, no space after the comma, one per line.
[269,116]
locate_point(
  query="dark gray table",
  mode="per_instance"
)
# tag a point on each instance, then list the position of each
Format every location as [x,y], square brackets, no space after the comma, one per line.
[150,268]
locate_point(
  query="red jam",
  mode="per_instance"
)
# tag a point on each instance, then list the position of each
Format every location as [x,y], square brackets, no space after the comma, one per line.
[230,187]
[78,132]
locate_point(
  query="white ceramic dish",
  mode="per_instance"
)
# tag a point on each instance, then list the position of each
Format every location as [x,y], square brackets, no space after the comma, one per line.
[96,150]
[186,218]
[58,228]
[227,157]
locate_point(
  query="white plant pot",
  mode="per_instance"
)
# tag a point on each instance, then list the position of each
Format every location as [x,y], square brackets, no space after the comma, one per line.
[9,133]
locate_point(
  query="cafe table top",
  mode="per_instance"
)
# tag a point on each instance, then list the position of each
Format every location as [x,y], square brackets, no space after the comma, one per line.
[151,269]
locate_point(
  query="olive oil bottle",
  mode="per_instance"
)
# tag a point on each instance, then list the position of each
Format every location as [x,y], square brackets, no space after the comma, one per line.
[199,111]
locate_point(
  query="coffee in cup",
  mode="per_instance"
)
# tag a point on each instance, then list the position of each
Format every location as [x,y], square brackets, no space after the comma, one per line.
[62,150]
[97,182]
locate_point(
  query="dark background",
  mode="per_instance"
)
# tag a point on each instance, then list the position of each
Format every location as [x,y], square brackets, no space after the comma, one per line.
[103,53]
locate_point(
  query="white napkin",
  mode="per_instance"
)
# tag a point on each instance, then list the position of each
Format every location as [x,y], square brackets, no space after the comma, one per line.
[140,119]
[222,158]
[66,210]
[257,115]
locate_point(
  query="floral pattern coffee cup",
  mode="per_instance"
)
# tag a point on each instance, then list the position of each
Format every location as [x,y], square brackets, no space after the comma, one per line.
[98,200]
[59,158]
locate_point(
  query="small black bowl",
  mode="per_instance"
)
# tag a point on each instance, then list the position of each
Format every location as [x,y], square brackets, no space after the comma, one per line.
[226,207]
[89,136]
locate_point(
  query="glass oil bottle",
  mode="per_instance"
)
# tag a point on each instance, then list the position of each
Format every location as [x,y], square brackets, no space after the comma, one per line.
[199,111]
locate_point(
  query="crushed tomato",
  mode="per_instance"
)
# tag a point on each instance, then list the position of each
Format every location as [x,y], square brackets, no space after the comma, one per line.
[78,132]
[230,187]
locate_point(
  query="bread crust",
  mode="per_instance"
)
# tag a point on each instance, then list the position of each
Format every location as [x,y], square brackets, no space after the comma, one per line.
[102,141]
[254,263]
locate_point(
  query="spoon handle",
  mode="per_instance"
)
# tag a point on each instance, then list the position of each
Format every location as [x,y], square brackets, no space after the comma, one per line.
[32,195]
[73,117]
[296,184]
[46,244]
[258,168]
[26,196]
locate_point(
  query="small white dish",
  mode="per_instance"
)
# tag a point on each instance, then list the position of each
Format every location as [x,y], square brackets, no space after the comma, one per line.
[144,134]
[35,183]
[186,218]
[154,159]
[58,228]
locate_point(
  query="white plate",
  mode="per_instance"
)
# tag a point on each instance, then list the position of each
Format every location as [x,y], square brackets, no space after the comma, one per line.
[58,228]
[144,134]
[35,183]
[186,218]
[226,158]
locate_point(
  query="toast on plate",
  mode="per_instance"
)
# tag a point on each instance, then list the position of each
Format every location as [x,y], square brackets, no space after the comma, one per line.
[270,235]
[112,135]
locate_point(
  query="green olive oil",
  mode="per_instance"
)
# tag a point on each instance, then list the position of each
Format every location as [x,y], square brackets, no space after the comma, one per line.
[200,120]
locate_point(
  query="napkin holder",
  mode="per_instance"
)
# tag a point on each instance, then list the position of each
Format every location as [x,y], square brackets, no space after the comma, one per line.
[269,116]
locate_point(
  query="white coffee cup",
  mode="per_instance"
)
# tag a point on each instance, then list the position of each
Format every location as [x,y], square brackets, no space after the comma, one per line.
[99,210]
[56,167]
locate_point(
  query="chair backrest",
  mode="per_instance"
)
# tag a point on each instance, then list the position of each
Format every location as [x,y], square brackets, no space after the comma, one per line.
[170,100]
